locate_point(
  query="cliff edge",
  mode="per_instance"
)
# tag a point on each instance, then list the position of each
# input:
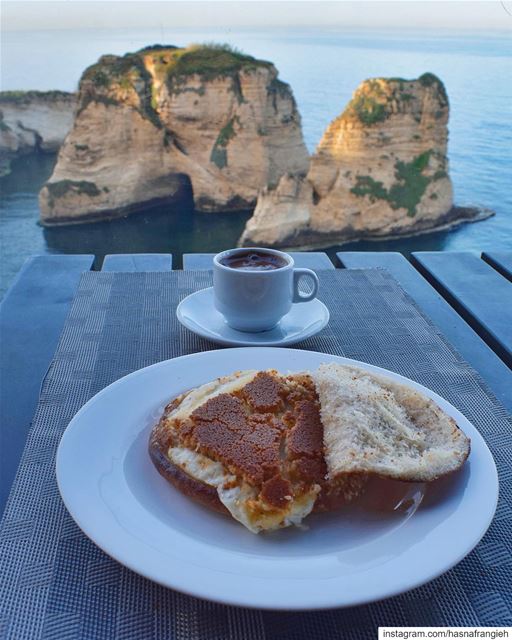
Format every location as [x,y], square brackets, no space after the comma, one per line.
[380,169]
[33,121]
[149,122]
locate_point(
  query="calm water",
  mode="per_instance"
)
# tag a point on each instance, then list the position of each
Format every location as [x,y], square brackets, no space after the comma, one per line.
[323,67]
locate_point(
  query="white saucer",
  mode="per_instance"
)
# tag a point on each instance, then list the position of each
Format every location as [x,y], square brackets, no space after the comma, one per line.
[197,313]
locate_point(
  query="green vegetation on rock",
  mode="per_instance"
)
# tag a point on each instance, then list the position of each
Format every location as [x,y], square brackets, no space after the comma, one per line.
[62,187]
[376,99]
[219,154]
[368,110]
[226,133]
[208,60]
[367,186]
[219,157]
[25,97]
[236,88]
[98,99]
[410,186]
[156,47]
[428,79]
[100,79]
[113,77]
[369,105]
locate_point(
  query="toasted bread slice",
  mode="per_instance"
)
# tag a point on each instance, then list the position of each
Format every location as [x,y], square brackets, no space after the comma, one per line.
[374,425]
[250,444]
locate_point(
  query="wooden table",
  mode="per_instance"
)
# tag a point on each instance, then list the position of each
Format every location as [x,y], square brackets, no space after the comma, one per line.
[468,297]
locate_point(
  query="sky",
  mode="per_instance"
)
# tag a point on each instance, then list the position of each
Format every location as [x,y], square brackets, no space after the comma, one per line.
[19,15]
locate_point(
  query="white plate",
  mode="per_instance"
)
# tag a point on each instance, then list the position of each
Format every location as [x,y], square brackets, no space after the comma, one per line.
[119,500]
[197,313]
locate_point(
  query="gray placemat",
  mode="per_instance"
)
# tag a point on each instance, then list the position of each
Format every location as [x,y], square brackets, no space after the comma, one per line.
[55,583]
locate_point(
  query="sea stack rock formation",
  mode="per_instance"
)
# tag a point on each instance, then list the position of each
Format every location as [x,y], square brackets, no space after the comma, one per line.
[33,121]
[149,122]
[380,169]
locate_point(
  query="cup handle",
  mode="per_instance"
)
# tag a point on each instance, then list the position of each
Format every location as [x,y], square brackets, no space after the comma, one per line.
[297,275]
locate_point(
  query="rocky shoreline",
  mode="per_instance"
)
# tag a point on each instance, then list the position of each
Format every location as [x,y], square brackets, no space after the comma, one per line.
[305,241]
[181,192]
[456,217]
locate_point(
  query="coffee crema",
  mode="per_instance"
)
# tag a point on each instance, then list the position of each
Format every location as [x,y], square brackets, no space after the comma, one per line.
[253,261]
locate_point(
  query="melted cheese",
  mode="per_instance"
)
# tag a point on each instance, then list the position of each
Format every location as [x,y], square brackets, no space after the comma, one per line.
[205,392]
[241,499]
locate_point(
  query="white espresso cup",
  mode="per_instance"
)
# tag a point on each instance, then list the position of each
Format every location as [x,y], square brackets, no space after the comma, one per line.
[254,288]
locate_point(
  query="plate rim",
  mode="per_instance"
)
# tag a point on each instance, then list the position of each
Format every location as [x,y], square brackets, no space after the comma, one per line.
[218,339]
[328,602]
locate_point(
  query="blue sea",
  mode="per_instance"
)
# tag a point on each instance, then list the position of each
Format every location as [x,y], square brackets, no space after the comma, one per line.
[324,67]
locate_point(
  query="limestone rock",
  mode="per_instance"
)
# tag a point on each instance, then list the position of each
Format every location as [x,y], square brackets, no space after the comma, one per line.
[147,123]
[280,212]
[34,121]
[380,169]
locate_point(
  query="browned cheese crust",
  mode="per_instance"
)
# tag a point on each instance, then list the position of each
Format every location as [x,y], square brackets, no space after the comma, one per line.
[268,434]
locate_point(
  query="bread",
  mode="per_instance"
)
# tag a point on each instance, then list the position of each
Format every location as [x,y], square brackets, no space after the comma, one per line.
[269,449]
[250,444]
[376,426]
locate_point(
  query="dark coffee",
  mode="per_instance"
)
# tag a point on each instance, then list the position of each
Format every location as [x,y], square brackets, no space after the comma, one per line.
[253,261]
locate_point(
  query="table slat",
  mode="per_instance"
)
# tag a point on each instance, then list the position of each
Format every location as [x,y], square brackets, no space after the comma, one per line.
[138,262]
[477,292]
[501,261]
[481,357]
[303,259]
[32,315]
